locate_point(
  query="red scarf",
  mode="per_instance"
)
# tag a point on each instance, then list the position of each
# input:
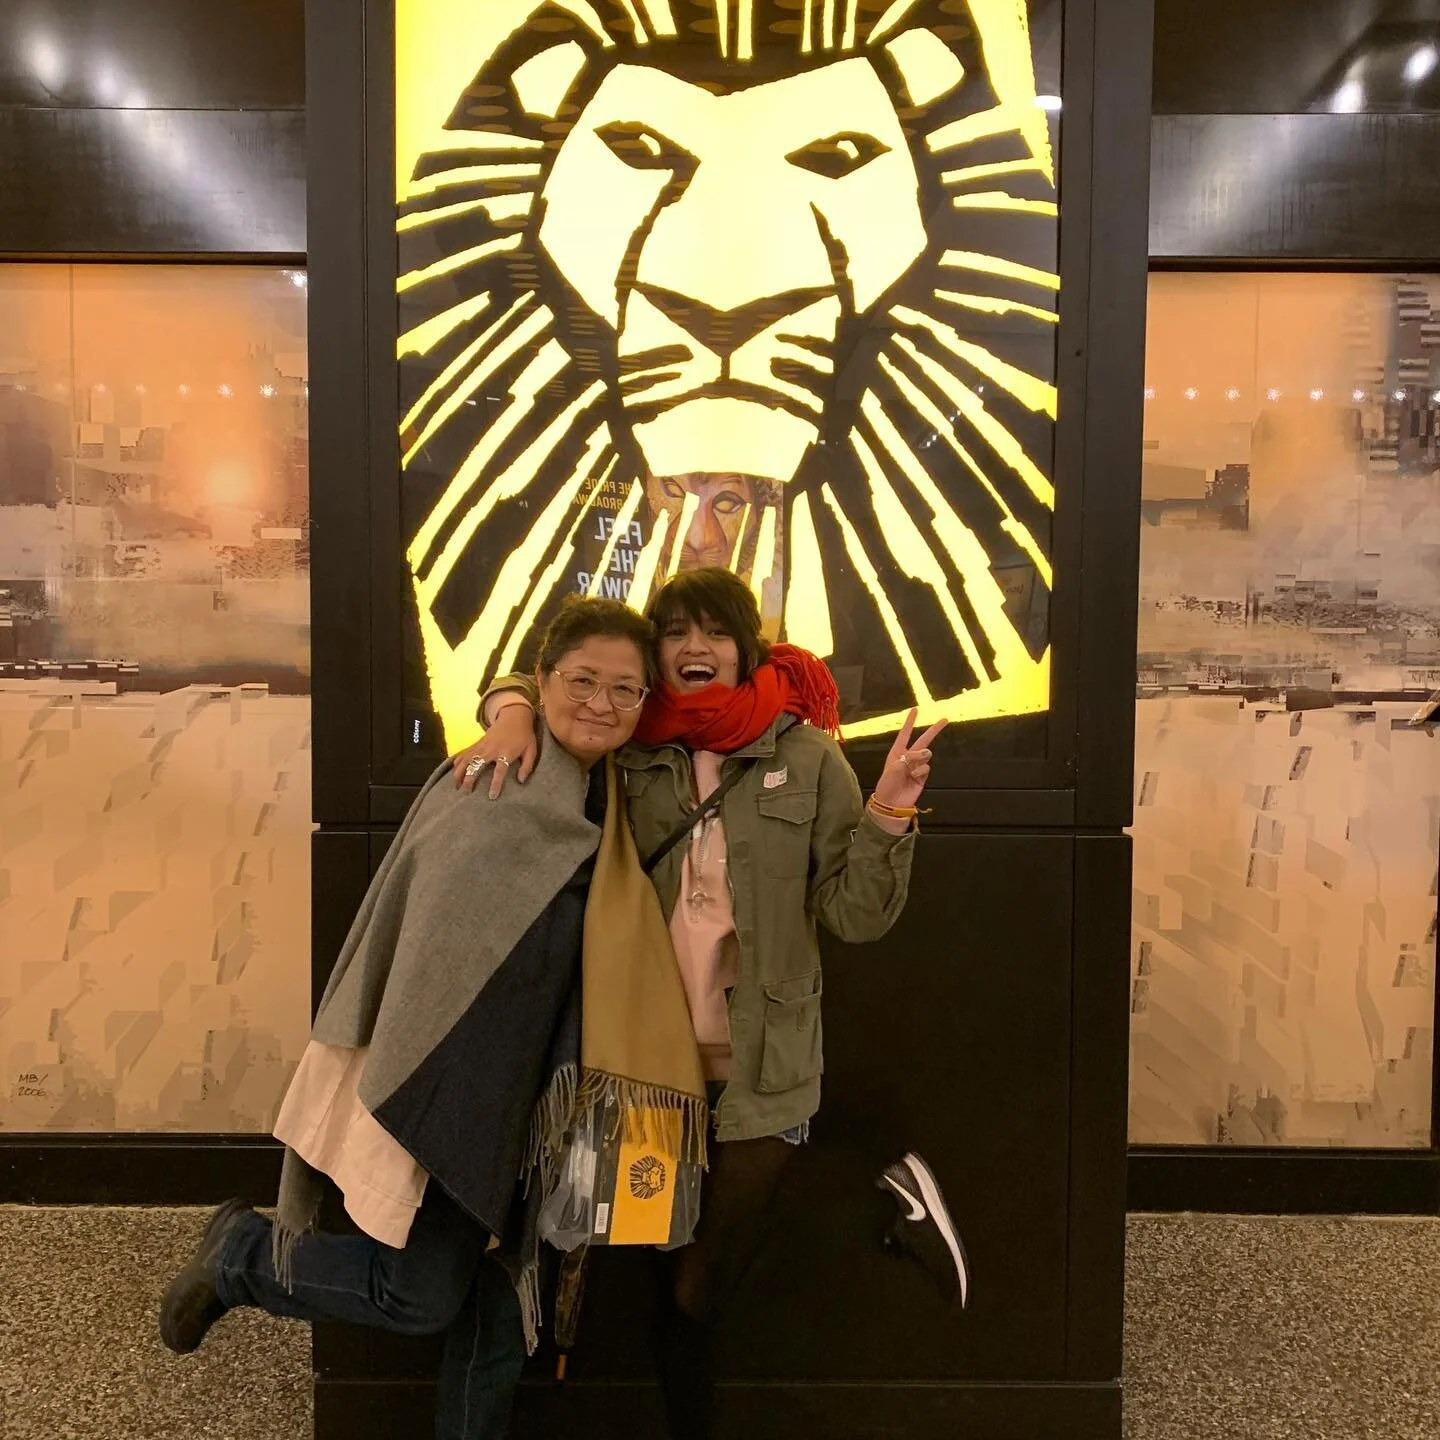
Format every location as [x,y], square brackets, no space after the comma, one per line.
[725,719]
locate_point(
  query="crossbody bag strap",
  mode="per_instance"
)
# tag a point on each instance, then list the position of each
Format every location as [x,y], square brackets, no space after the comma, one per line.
[707,806]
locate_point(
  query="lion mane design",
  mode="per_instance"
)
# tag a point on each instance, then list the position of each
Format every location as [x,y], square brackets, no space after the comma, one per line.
[647,1178]
[806,245]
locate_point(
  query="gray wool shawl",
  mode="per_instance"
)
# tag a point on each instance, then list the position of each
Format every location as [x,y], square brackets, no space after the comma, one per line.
[463,881]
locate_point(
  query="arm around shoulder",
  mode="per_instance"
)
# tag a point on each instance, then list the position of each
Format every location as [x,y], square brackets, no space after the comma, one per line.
[508,690]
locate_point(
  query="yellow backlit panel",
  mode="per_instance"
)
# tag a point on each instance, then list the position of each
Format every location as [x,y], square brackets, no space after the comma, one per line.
[673,292]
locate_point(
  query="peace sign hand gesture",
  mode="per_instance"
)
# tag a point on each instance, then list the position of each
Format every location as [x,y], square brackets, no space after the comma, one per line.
[907,767]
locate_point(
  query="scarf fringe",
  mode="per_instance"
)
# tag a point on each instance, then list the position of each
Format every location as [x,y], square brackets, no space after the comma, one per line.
[650,1114]
[297,1211]
[644,1114]
[814,696]
[551,1119]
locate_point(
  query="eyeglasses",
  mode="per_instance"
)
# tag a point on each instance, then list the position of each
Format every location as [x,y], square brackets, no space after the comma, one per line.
[584,688]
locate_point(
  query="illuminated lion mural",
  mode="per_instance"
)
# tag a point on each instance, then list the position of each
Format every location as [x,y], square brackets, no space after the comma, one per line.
[772,275]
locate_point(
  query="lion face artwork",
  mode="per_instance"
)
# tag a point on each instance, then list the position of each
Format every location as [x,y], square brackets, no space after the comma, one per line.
[813,178]
[766,283]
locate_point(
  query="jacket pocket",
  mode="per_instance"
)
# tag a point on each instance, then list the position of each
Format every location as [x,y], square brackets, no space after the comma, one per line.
[791,1053]
[648,831]
[786,819]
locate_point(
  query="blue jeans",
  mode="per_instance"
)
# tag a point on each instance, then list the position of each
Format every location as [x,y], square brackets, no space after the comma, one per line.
[442,1281]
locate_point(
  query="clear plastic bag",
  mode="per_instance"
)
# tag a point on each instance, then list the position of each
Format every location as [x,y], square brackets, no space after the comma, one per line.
[616,1189]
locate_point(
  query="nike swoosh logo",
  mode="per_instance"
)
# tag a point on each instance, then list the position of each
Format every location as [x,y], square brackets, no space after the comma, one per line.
[917,1210]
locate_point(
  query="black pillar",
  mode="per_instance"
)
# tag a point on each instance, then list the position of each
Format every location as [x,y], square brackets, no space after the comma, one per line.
[988,1031]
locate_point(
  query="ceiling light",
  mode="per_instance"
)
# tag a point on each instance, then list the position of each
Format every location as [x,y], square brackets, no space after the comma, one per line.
[46,61]
[1421,63]
[1349,98]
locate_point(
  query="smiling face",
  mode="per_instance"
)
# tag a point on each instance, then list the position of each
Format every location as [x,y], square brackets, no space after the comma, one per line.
[697,653]
[591,728]
[723,238]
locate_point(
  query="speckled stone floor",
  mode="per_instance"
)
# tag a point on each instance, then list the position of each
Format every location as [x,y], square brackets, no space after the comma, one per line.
[1256,1328]
[79,1355]
[1238,1329]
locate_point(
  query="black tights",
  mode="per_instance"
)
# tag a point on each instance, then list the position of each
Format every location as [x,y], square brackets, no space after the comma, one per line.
[700,1279]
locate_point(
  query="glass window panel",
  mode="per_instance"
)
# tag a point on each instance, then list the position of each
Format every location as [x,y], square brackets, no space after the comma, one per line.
[1286,808]
[154,696]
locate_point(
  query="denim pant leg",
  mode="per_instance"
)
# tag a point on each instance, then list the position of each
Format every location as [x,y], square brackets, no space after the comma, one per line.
[417,1290]
[484,1355]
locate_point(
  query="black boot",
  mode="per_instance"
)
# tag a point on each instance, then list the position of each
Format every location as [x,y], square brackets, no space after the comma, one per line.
[191,1305]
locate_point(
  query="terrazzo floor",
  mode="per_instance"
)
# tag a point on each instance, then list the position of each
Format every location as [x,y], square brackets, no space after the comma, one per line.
[1239,1328]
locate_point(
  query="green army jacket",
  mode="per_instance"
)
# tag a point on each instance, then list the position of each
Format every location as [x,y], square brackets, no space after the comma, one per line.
[801,849]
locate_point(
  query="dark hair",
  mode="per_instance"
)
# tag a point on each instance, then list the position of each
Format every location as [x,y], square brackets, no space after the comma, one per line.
[580,619]
[717,595]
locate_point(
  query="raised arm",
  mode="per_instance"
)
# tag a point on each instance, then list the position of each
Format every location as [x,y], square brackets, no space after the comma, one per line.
[861,853]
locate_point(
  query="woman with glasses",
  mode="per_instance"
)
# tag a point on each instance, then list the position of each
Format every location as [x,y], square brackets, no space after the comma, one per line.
[790,842]
[448,1051]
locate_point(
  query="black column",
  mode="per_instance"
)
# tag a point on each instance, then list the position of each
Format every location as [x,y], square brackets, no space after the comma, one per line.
[988,1031]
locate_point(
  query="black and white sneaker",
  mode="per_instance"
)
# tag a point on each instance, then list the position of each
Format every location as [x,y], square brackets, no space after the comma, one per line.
[924,1229]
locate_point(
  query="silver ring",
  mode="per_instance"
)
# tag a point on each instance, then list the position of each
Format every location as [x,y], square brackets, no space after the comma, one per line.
[905,761]
[475,767]
[501,760]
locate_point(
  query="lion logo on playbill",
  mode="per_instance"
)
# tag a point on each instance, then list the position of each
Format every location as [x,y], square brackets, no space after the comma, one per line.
[765,283]
[647,1178]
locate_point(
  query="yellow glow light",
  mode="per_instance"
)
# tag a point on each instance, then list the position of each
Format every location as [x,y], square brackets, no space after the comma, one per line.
[647,564]
[458,261]
[928,66]
[1000,440]
[865,568]
[740,536]
[1031,391]
[548,363]
[764,555]
[944,517]
[913,557]
[427,335]
[1001,200]
[527,333]
[990,305]
[890,19]
[967,173]
[468,175]
[729,281]
[688,511]
[964,549]
[544,80]
[807,604]
[1001,268]
[564,560]
[661,17]
[623,517]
